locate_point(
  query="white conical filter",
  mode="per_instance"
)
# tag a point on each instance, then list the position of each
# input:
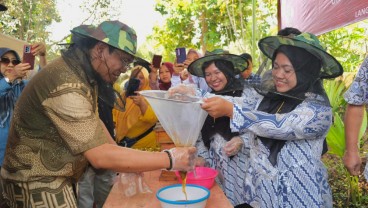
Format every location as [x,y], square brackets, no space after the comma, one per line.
[181,116]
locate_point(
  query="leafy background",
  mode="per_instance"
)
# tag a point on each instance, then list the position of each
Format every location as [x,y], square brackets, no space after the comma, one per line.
[208,25]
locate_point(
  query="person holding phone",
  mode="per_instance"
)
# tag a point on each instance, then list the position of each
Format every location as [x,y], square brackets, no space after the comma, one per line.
[165,74]
[134,126]
[181,74]
[12,83]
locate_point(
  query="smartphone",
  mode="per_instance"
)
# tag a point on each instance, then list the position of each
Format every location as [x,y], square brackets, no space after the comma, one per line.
[133,85]
[28,57]
[181,55]
[156,61]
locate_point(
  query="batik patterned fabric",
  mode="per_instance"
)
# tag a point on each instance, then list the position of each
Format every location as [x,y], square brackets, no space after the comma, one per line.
[231,170]
[299,178]
[253,80]
[55,121]
[25,195]
[357,94]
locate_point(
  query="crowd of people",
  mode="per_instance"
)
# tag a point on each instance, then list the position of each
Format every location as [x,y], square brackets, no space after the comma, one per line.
[66,132]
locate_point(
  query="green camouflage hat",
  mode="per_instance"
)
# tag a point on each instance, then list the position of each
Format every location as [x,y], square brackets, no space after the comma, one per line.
[113,33]
[331,68]
[84,30]
[240,63]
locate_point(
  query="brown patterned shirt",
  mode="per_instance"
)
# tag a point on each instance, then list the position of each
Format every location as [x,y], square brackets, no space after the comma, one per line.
[54,122]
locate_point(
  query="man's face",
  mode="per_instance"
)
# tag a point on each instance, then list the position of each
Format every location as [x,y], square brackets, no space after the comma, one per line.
[113,64]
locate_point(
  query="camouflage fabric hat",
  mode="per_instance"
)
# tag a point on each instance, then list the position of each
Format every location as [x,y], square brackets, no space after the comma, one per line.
[331,68]
[113,33]
[240,63]
[83,30]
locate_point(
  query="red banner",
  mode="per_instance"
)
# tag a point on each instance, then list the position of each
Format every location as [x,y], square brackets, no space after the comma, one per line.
[321,16]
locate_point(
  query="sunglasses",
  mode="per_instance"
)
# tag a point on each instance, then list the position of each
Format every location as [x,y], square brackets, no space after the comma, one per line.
[7,61]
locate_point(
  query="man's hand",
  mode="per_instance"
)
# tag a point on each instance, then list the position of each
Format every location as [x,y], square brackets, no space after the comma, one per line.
[352,162]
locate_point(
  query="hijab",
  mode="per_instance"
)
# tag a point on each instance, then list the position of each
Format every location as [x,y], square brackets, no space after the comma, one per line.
[162,85]
[307,69]
[125,120]
[234,88]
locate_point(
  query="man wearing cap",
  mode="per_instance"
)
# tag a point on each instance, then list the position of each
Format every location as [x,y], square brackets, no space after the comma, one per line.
[56,130]
[95,184]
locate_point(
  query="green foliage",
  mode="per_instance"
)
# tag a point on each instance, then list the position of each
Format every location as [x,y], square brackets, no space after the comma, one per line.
[348,45]
[208,25]
[27,20]
[336,135]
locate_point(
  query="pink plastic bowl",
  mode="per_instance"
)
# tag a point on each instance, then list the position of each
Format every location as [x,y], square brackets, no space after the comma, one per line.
[205,177]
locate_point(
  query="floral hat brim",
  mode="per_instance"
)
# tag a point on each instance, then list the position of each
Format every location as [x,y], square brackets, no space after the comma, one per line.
[331,68]
[240,63]
[113,33]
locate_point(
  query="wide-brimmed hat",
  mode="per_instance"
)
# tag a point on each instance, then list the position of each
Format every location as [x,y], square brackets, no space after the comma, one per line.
[142,62]
[2,6]
[113,33]
[84,30]
[331,68]
[240,63]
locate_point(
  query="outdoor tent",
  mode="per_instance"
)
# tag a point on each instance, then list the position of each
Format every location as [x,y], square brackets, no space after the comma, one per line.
[13,43]
[320,16]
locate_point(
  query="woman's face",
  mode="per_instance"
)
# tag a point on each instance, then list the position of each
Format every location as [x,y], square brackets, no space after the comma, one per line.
[164,74]
[283,73]
[6,68]
[215,79]
[142,80]
[191,57]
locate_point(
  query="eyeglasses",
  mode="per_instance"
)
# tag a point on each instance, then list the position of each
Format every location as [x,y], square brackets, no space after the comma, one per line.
[127,64]
[7,61]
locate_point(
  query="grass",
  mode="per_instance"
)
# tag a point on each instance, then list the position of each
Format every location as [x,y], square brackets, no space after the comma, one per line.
[340,185]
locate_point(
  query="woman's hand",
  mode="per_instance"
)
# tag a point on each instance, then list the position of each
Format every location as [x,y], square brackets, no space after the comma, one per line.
[38,49]
[217,107]
[233,146]
[182,89]
[184,74]
[178,68]
[138,99]
[17,72]
[153,75]
[200,162]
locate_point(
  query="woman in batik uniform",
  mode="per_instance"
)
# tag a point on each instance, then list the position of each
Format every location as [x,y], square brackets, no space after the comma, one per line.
[288,123]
